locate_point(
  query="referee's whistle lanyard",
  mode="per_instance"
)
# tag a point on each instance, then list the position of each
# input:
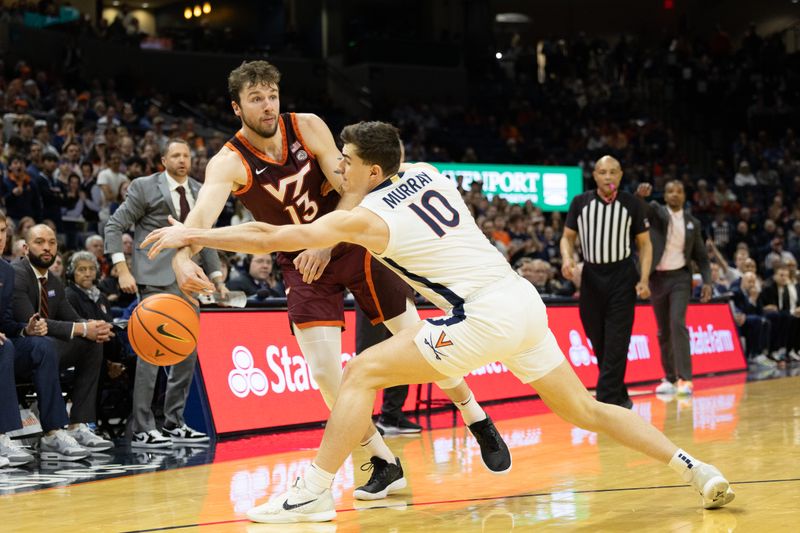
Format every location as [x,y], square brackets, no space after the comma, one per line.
[609,199]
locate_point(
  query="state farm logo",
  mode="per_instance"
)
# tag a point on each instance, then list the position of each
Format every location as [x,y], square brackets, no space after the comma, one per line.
[581,354]
[245,378]
[709,340]
[284,372]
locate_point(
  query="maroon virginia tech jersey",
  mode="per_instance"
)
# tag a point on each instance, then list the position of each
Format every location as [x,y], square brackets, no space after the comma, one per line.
[292,190]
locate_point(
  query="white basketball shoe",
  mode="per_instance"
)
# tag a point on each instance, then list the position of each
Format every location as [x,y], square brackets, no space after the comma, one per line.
[713,487]
[298,504]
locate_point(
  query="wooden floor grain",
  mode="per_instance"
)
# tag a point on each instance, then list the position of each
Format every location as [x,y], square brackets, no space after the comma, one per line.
[562,478]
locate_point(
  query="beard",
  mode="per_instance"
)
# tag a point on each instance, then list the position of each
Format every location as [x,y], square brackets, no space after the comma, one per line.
[38,262]
[261,130]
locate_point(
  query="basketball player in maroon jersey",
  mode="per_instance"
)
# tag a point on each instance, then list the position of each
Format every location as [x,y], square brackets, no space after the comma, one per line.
[283,167]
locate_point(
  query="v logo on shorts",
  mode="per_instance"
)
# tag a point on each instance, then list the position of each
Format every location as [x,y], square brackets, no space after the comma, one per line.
[441,343]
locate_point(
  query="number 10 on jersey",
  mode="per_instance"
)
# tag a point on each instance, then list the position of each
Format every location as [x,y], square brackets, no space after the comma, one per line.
[428,212]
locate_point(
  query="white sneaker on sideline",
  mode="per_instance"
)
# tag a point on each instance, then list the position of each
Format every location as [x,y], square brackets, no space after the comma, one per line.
[3,461]
[60,446]
[764,360]
[87,438]
[13,451]
[150,439]
[184,435]
[685,388]
[666,387]
[713,487]
[297,505]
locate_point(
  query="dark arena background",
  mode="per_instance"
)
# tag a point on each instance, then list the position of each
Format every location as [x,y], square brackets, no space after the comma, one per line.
[519,103]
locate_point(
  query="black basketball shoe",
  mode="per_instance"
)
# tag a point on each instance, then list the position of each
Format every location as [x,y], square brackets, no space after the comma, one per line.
[494,451]
[386,478]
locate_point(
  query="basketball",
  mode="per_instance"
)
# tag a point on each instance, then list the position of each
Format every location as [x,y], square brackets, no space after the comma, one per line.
[163,329]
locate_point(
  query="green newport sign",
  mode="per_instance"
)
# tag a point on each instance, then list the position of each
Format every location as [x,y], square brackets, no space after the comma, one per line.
[549,188]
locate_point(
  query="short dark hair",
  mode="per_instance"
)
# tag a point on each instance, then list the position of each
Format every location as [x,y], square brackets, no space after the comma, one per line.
[252,73]
[174,140]
[49,156]
[377,143]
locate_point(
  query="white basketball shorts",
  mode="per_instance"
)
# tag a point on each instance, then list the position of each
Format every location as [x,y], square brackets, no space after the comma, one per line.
[505,322]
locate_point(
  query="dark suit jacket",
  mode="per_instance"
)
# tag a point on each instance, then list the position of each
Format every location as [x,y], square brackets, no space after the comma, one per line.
[26,301]
[694,247]
[9,326]
[241,281]
[769,295]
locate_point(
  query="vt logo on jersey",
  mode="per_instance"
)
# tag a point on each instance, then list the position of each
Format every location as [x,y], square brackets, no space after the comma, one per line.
[162,330]
[441,342]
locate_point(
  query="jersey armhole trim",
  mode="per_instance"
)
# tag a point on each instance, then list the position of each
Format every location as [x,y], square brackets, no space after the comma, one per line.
[299,135]
[249,183]
[371,285]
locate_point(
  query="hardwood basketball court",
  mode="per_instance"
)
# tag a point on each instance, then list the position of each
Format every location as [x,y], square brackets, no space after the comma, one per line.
[562,477]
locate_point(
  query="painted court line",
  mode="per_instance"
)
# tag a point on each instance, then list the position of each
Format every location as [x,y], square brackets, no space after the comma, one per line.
[486,498]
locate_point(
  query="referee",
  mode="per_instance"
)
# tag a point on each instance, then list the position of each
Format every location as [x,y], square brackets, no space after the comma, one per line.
[607,221]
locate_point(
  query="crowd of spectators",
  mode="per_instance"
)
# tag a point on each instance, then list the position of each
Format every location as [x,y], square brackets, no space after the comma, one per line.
[70,153]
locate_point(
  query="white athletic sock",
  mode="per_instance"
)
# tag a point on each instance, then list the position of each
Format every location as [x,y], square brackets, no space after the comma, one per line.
[683,463]
[318,480]
[376,447]
[471,410]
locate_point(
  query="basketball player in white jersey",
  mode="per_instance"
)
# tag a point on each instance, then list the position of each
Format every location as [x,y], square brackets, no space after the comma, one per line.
[279,166]
[417,224]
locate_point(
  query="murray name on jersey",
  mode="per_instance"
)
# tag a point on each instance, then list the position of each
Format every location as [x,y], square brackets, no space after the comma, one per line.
[407,188]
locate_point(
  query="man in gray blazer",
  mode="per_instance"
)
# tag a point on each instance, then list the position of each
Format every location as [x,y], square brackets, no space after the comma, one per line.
[150,201]
[677,241]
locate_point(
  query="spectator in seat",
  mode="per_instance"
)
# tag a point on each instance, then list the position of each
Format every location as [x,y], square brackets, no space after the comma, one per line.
[90,303]
[20,194]
[78,342]
[26,352]
[749,316]
[780,301]
[94,245]
[258,278]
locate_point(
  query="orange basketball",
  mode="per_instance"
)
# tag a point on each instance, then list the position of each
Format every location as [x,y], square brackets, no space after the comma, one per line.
[163,329]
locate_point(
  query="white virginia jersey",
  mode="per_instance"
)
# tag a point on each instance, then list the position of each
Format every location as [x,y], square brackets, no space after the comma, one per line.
[434,243]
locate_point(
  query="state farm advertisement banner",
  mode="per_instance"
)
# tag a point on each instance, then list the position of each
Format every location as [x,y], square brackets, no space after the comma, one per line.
[255,375]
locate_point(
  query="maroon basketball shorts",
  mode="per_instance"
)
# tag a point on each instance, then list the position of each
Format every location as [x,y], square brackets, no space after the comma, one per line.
[379,292]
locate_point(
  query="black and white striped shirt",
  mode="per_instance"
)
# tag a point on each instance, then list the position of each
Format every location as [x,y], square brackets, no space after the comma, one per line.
[606,230]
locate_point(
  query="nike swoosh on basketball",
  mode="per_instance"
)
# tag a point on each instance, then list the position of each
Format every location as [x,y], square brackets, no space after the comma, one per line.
[259,171]
[292,506]
[166,333]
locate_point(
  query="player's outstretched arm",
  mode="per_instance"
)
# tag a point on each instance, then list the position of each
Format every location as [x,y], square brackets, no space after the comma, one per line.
[358,226]
[224,172]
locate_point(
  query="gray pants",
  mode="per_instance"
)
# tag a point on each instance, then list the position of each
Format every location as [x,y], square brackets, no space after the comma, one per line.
[670,291]
[180,378]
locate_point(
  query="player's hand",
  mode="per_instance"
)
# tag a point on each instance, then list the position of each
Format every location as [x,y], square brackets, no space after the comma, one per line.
[568,269]
[36,326]
[642,290]
[311,263]
[174,236]
[190,277]
[644,190]
[127,283]
[222,290]
[3,339]
[705,293]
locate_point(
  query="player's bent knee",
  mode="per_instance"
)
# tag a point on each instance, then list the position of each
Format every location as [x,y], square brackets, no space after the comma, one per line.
[362,372]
